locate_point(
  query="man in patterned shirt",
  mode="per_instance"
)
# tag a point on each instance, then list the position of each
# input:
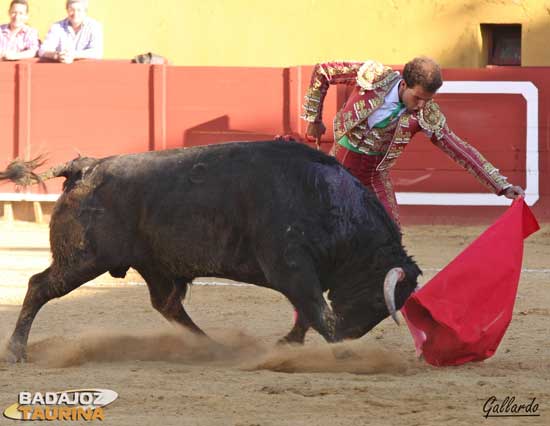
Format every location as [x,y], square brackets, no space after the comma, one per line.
[17,39]
[75,37]
[380,117]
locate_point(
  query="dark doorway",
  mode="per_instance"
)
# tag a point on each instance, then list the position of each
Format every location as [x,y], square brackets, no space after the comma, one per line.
[502,44]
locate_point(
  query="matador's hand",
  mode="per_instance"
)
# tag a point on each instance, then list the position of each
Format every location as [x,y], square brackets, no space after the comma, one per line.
[514,192]
[315,130]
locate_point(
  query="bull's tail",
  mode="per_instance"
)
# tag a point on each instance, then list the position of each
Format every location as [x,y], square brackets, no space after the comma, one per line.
[22,172]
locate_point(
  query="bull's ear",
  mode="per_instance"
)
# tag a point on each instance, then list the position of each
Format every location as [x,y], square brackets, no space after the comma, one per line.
[412,270]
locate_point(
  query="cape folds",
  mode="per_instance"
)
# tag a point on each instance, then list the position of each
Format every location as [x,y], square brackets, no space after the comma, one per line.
[462,313]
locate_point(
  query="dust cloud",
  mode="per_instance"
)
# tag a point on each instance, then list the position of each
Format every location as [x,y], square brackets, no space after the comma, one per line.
[233,350]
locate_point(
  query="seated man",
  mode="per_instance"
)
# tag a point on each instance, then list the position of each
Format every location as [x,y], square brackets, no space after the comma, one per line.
[75,37]
[17,39]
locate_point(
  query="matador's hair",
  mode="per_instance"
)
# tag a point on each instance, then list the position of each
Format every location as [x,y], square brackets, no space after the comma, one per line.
[423,71]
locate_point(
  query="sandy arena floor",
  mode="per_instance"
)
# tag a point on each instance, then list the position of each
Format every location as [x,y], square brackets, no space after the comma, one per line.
[107,335]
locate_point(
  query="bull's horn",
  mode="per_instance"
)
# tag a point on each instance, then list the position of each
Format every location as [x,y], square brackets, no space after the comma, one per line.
[393,276]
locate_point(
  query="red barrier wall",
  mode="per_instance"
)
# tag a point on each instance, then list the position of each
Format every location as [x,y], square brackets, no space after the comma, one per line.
[109,107]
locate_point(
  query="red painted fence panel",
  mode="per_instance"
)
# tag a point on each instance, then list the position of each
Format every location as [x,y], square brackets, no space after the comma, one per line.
[112,107]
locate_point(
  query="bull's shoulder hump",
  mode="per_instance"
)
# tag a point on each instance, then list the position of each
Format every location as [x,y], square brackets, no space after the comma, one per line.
[256,155]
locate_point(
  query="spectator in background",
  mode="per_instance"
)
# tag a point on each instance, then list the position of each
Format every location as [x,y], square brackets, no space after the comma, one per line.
[75,37]
[17,39]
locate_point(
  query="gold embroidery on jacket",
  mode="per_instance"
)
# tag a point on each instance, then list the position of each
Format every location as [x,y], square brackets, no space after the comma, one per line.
[373,75]
[347,117]
[360,111]
[432,119]
[400,139]
[472,160]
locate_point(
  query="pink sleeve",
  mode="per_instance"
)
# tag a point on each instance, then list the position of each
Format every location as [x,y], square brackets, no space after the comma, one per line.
[471,159]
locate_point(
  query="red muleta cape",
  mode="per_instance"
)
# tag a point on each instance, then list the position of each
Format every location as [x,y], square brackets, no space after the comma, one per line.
[462,313]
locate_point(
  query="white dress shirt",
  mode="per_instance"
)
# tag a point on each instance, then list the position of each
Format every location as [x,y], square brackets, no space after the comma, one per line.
[390,103]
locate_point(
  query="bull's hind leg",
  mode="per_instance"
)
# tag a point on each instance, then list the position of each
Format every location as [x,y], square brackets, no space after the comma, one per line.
[166,297]
[52,283]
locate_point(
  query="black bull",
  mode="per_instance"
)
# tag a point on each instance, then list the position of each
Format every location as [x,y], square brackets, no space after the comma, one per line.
[275,214]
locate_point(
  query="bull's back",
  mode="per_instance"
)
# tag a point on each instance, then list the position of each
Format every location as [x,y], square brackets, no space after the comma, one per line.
[215,210]
[228,203]
[231,179]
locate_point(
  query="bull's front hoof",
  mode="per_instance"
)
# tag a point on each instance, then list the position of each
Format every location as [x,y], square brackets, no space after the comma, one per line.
[15,352]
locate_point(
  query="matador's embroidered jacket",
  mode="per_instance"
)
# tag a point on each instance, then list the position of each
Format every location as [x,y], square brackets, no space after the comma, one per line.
[372,81]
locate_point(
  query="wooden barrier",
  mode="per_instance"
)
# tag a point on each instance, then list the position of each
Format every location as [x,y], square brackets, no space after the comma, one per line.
[105,108]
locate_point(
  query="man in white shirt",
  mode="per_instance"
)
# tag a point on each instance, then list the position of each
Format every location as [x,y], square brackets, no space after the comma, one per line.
[75,37]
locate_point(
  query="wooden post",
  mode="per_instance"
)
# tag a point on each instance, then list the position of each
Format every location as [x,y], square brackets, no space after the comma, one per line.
[38,216]
[23,110]
[8,212]
[157,104]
